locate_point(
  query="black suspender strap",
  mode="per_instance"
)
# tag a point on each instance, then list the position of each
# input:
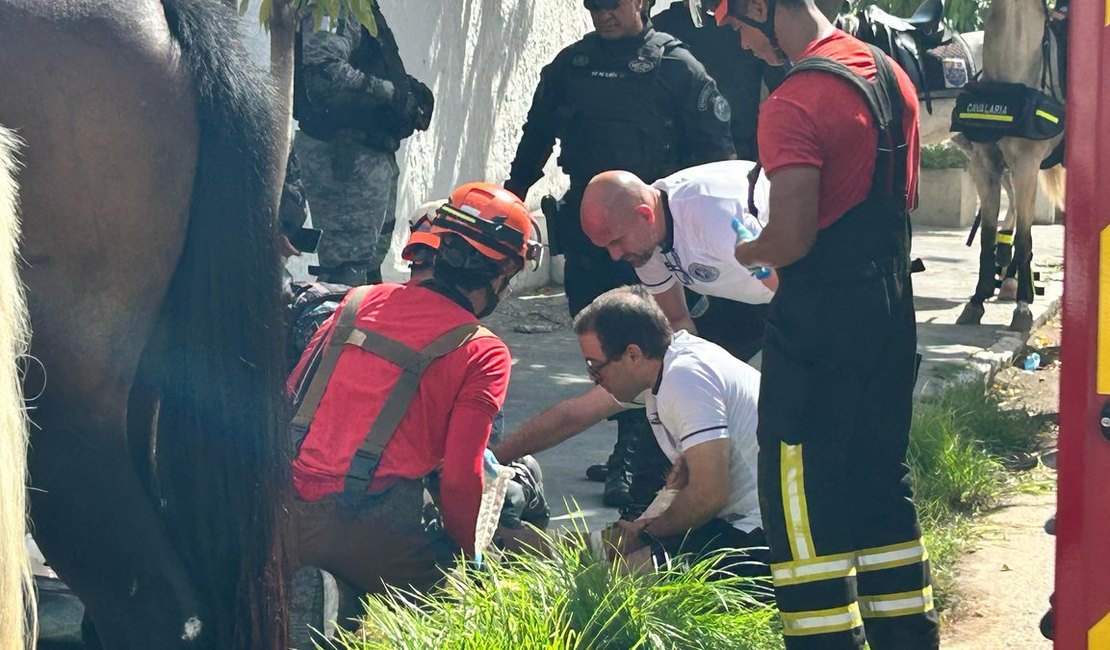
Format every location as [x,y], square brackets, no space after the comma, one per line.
[884,98]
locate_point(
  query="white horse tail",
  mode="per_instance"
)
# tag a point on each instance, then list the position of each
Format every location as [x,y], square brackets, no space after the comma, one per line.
[17,600]
[1053,181]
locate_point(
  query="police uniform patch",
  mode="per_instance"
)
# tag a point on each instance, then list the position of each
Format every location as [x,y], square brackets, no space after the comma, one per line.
[640,66]
[704,96]
[721,110]
[702,272]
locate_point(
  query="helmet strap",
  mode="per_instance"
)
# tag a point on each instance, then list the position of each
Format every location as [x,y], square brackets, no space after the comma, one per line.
[767,27]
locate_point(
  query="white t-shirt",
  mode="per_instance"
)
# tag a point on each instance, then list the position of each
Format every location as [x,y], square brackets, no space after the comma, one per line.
[703,201]
[707,394]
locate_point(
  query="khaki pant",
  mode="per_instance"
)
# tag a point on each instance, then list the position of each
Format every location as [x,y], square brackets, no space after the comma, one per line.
[372,540]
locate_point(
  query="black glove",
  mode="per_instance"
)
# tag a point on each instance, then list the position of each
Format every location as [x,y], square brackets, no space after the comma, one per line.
[423,104]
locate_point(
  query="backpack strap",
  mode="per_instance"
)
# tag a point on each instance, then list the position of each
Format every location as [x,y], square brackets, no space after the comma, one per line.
[413,363]
[317,373]
[884,97]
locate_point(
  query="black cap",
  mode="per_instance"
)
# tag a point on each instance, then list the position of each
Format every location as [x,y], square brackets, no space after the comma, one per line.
[601,5]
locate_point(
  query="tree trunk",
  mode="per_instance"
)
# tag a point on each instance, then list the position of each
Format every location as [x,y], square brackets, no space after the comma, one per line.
[283,31]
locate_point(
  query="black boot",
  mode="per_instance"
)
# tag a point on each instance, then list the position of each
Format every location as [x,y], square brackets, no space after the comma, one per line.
[618,479]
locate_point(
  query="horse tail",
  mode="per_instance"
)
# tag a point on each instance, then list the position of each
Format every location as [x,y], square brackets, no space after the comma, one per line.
[221,459]
[1054,181]
[17,596]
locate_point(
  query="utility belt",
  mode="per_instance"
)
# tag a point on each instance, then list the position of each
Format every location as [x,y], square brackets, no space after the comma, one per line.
[987,111]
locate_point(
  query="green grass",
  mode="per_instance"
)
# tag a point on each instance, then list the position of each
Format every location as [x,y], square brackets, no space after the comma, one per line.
[572,601]
[959,446]
[960,443]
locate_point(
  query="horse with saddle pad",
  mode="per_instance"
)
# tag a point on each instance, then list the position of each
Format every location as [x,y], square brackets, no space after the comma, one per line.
[148,176]
[1012,123]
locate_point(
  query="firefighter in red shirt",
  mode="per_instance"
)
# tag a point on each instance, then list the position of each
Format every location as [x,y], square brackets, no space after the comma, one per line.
[402,382]
[839,142]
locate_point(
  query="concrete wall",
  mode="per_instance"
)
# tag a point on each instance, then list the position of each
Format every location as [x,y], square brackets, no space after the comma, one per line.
[482,60]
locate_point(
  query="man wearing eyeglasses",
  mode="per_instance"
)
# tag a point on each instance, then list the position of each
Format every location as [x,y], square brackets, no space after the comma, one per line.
[678,233]
[701,403]
[622,97]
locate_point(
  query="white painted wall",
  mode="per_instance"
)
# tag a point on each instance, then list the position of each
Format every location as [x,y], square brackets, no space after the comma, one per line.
[482,60]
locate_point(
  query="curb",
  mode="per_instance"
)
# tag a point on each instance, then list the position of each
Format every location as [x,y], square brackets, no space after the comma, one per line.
[981,367]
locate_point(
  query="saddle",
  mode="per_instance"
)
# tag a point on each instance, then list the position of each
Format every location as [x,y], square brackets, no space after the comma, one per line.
[936,59]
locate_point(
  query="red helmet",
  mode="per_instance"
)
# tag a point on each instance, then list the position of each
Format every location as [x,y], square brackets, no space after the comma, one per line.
[492,220]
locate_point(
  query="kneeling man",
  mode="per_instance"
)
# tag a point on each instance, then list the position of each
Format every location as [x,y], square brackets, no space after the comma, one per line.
[701,403]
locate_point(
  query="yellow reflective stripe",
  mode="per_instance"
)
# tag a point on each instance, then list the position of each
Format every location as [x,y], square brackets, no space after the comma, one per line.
[1005,238]
[825,567]
[900,604]
[1098,636]
[794,506]
[1048,116]
[1102,348]
[821,621]
[895,555]
[987,116]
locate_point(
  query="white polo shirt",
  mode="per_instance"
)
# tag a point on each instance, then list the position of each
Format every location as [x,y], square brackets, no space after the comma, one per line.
[702,202]
[707,394]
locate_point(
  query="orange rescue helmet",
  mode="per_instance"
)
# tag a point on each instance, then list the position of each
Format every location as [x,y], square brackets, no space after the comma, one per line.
[420,240]
[492,220]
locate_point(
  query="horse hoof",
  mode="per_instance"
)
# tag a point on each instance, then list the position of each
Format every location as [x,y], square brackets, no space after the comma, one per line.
[1008,291]
[1022,320]
[971,315]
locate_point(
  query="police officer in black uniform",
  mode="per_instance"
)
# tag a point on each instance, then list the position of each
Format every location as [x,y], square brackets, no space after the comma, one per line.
[738,73]
[623,97]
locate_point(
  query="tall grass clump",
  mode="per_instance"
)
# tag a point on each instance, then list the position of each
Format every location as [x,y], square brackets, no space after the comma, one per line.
[959,444]
[569,600]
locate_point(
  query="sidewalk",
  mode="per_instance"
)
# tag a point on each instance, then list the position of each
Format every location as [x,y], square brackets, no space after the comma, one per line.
[548,367]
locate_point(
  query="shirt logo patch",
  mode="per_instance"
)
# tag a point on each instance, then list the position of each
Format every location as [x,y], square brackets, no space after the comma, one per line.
[580,60]
[721,110]
[704,273]
[640,66]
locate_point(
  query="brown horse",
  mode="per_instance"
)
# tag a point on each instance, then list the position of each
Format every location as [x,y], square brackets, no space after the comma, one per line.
[148,188]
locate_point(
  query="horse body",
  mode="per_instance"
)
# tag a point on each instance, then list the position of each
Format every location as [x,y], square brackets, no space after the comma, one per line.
[1012,52]
[147,261]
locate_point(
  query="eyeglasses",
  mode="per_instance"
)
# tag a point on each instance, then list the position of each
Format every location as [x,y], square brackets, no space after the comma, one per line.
[594,368]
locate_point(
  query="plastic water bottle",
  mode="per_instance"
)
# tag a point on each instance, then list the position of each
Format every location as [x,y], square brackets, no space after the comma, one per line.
[1032,361]
[743,234]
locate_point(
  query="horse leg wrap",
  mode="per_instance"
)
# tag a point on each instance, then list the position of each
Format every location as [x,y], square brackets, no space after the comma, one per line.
[1004,248]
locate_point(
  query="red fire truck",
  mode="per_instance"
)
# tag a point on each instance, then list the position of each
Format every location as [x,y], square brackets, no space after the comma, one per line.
[1082,605]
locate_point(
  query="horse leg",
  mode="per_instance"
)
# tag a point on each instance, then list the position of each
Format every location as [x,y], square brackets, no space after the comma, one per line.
[986,167]
[1004,250]
[1023,158]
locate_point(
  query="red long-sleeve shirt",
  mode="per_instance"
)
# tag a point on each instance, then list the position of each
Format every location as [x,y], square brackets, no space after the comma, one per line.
[447,425]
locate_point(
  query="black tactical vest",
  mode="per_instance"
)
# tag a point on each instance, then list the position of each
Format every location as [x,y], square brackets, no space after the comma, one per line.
[618,113]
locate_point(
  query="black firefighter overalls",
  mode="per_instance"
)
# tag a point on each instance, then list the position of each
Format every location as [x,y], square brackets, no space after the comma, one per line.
[836,397]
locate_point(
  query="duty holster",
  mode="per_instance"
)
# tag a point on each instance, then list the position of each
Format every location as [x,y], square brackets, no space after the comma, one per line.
[549,206]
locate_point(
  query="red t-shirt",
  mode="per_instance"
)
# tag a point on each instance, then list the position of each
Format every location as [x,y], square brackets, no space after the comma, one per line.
[819,120]
[447,425]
